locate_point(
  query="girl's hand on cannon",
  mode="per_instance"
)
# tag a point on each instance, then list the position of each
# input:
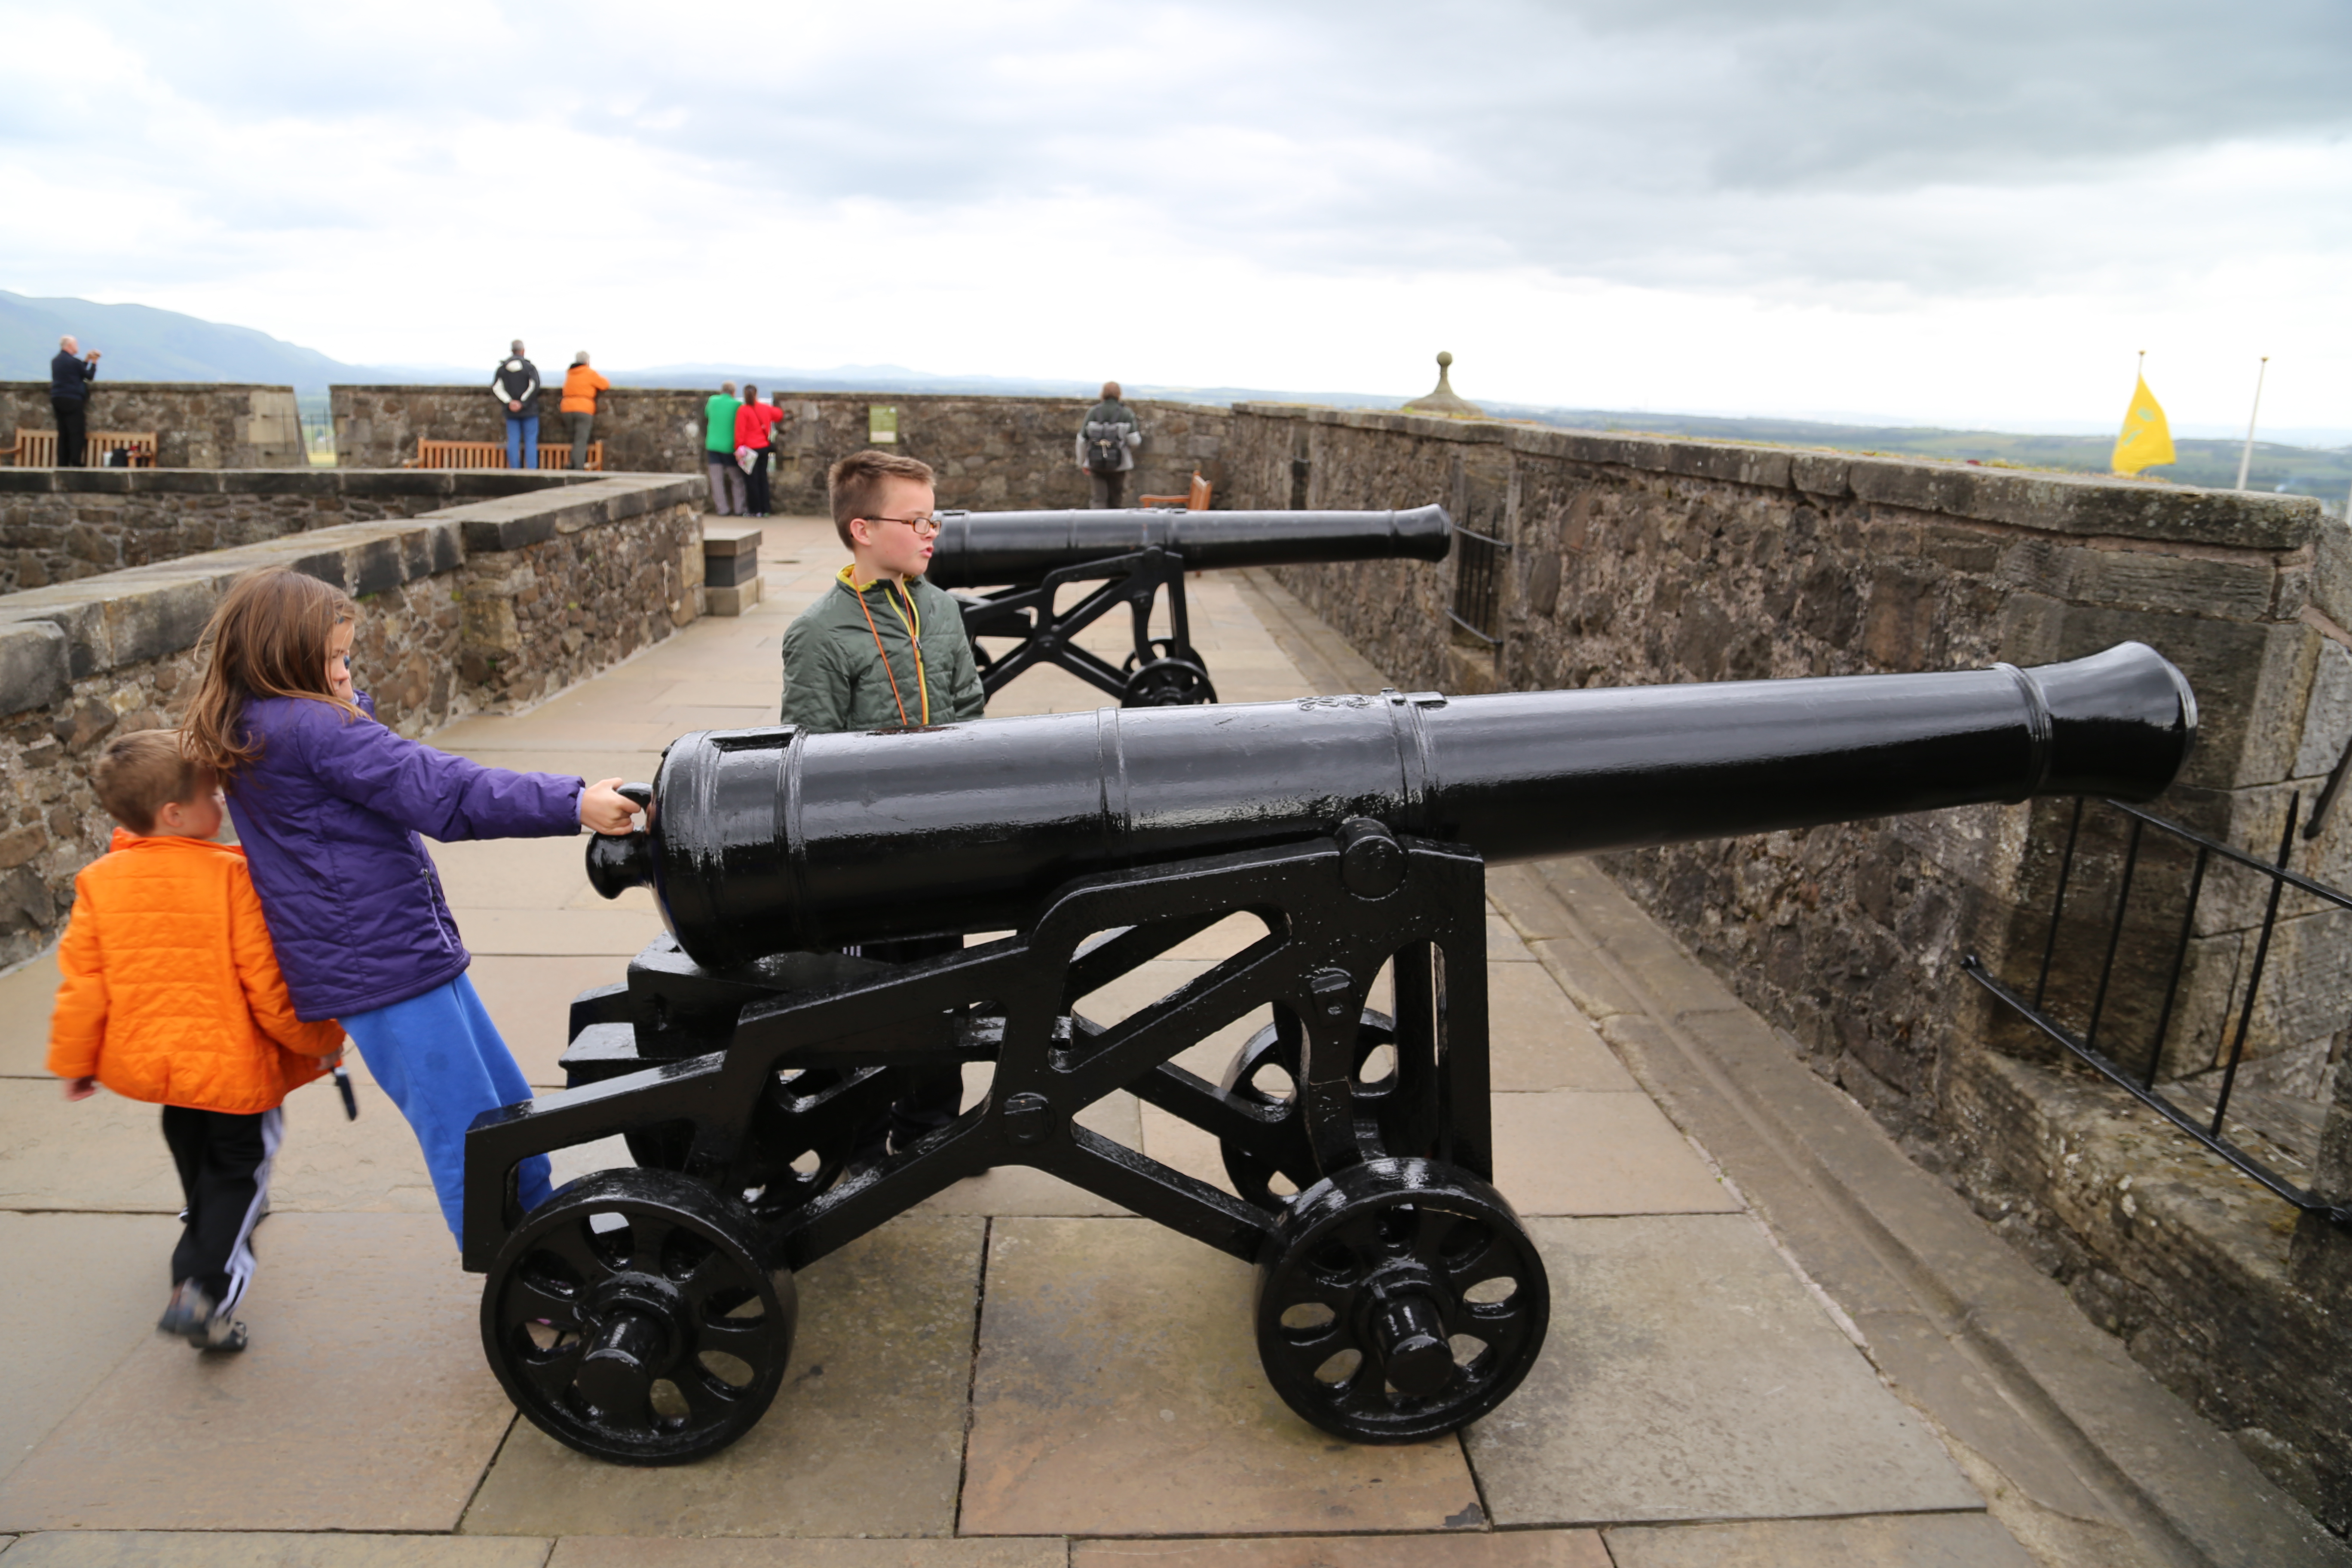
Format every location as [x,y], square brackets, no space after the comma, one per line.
[604,809]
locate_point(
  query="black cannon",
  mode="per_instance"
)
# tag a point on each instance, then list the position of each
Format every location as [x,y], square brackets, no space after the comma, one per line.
[646,1315]
[1135,555]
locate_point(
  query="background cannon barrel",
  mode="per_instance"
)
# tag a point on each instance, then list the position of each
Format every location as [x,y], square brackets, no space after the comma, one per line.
[764,841]
[976,549]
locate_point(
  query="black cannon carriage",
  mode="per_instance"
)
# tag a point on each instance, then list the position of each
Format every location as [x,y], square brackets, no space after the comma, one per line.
[645,1314]
[1136,554]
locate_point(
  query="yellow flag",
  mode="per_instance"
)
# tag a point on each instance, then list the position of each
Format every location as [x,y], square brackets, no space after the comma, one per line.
[2147,438]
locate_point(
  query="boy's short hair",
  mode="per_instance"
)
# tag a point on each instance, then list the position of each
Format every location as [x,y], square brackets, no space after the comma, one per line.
[855,483]
[139,774]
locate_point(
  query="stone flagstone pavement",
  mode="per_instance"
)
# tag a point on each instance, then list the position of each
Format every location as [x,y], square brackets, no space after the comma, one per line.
[1017,1375]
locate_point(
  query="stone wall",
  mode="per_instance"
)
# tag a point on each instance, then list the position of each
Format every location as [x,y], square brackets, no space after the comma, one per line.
[58,524]
[1633,560]
[990,452]
[197,424]
[474,606]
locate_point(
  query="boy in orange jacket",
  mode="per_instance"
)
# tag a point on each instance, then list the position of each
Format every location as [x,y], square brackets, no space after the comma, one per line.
[172,993]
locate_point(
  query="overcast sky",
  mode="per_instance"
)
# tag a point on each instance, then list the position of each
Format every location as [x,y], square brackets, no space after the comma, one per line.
[1972,211]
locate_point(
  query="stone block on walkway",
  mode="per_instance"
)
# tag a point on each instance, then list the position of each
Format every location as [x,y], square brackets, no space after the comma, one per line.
[363,1404]
[1912,1541]
[1690,1375]
[84,1293]
[1462,1549]
[866,1438]
[1118,1393]
[629,1552]
[25,999]
[1574,1153]
[226,1549]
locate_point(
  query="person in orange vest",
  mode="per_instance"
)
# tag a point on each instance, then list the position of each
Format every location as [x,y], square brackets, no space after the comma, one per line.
[581,387]
[172,993]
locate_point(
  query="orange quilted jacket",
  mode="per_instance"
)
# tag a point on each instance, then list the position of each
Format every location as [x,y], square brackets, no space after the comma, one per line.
[172,991]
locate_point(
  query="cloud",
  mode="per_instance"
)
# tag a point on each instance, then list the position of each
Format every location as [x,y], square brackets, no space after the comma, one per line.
[975,180]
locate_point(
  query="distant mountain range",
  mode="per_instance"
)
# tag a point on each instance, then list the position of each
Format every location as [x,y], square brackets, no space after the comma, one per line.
[143,343]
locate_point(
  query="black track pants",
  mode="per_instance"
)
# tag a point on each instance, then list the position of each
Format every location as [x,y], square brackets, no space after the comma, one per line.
[224,1160]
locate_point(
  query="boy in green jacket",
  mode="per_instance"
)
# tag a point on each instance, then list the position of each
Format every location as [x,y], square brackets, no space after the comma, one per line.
[883,649]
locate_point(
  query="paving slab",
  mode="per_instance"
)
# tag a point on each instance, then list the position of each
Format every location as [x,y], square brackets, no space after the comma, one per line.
[624,1552]
[26,995]
[1569,1152]
[1502,943]
[865,1438]
[1462,1549]
[1538,1040]
[1118,1393]
[160,1549]
[611,930]
[363,1405]
[84,1292]
[1913,1540]
[528,997]
[510,873]
[106,1154]
[1586,980]
[1689,1375]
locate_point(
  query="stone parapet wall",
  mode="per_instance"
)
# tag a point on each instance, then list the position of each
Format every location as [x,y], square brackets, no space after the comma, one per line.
[59,524]
[474,606]
[996,453]
[1634,560]
[197,424]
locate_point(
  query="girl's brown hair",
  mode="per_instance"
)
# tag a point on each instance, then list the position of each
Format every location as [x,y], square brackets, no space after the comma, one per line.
[268,638]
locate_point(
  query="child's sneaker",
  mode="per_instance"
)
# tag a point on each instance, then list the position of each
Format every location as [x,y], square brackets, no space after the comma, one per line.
[220,1334]
[187,1312]
[192,1315]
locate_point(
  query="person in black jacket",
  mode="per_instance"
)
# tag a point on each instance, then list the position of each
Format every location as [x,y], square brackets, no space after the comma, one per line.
[515,384]
[69,377]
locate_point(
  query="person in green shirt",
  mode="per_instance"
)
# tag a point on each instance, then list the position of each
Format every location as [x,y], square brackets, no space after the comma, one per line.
[727,493]
[883,649]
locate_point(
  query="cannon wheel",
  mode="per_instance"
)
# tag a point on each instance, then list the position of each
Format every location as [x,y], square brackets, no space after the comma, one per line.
[1162,647]
[793,1155]
[1265,1072]
[1397,1301]
[630,1316]
[1169,683]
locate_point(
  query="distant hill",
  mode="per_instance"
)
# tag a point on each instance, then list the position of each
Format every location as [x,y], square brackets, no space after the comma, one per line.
[143,343]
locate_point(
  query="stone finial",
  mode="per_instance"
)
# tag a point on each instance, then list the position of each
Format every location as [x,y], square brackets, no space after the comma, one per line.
[1445,400]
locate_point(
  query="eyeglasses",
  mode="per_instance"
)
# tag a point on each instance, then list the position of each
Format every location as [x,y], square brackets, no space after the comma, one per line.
[925,527]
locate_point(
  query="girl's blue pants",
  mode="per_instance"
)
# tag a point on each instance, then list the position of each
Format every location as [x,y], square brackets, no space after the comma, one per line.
[441,1060]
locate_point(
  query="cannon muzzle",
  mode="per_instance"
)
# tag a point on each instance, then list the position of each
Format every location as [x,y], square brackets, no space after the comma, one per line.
[762,841]
[977,549]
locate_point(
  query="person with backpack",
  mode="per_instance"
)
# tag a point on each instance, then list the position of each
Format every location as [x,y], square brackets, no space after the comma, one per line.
[515,384]
[1107,443]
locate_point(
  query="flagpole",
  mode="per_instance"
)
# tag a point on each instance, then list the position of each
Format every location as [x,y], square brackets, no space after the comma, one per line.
[2246,458]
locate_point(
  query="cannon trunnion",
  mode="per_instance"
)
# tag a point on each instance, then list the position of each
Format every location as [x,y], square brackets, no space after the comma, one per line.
[1136,554]
[646,1315]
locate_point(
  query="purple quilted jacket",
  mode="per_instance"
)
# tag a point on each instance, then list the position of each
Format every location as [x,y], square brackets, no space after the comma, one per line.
[330,818]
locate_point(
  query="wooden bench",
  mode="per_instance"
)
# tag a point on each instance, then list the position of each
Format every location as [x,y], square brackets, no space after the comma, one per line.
[38,448]
[432,454]
[1198,500]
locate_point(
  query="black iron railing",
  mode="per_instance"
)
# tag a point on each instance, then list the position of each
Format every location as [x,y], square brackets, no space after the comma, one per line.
[1478,562]
[2206,1129]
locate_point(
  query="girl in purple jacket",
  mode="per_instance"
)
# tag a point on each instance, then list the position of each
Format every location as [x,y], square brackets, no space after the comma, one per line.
[329,803]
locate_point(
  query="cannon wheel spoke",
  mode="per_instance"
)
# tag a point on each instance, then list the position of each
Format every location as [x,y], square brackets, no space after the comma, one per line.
[1279,1162]
[1391,1230]
[651,1302]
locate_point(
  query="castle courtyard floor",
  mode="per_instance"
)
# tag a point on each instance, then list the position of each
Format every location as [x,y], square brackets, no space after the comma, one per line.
[1742,1369]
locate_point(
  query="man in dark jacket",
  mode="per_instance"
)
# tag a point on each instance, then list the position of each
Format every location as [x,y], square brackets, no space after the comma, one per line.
[71,375]
[1107,438]
[515,384]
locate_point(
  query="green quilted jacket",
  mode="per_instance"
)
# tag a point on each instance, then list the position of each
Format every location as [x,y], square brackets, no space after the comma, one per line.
[833,673]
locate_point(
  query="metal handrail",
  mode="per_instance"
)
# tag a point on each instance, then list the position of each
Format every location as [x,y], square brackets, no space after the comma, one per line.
[2142,1088]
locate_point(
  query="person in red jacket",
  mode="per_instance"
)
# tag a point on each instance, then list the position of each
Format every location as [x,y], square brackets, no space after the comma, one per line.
[172,993]
[753,422]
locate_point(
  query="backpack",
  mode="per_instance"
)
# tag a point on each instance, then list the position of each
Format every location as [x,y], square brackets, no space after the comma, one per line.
[1106,446]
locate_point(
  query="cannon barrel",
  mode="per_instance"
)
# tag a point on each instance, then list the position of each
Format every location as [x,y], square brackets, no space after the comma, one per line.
[763,841]
[976,549]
